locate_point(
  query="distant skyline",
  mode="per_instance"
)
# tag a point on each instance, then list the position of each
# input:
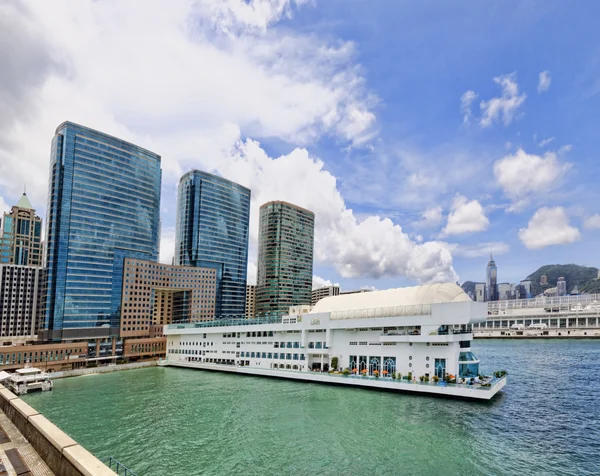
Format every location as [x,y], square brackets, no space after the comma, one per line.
[420,135]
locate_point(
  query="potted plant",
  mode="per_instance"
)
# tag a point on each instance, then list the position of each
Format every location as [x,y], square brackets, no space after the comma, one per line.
[422,378]
[394,375]
[409,376]
[346,372]
[376,373]
[364,372]
[334,363]
[354,371]
[436,379]
[384,373]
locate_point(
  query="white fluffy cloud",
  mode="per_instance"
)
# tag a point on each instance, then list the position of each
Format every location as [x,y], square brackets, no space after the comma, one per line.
[548,226]
[430,218]
[210,75]
[465,105]
[371,247]
[480,249]
[504,107]
[319,282]
[544,82]
[592,222]
[523,175]
[465,217]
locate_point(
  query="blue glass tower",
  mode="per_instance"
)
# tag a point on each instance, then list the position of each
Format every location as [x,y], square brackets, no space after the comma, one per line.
[213,216]
[103,207]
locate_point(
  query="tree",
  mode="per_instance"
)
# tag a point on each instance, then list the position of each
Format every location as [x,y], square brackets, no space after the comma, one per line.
[334,362]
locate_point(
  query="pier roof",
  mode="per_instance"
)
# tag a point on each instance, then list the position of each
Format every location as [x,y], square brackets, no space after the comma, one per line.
[415,295]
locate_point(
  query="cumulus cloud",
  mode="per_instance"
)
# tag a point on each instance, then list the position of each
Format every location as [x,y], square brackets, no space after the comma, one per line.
[523,175]
[211,75]
[371,247]
[319,282]
[479,249]
[465,105]
[504,107]
[592,222]
[548,226]
[544,82]
[465,217]
[430,218]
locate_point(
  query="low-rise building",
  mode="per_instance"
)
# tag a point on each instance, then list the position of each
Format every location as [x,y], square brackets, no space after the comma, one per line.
[323,292]
[20,302]
[250,301]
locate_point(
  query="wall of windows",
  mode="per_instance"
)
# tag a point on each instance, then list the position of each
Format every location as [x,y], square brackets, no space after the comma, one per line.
[213,216]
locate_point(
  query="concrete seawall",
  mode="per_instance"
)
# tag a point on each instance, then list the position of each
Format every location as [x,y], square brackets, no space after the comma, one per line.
[102,370]
[63,455]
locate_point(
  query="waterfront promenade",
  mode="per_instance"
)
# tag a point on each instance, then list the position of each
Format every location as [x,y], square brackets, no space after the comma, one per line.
[445,390]
[32,445]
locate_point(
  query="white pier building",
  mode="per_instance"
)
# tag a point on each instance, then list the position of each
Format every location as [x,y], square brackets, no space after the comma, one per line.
[410,339]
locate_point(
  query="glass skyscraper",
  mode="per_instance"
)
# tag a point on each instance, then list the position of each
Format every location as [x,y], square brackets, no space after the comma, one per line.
[213,217]
[103,207]
[285,258]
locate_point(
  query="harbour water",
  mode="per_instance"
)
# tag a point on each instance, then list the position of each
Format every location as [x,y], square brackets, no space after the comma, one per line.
[168,421]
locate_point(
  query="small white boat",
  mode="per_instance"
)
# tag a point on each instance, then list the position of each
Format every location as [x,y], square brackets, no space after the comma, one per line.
[27,379]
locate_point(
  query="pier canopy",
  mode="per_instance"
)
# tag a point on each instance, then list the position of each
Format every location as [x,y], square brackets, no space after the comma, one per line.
[413,300]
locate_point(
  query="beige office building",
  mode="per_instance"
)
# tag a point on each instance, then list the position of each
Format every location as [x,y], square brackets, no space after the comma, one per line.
[250,301]
[156,294]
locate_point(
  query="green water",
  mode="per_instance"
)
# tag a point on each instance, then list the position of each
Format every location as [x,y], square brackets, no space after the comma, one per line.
[168,421]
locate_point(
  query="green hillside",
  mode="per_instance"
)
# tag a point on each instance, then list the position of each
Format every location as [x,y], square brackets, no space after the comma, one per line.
[575,275]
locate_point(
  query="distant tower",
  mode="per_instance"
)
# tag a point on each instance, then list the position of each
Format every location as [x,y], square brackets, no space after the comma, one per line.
[21,235]
[561,287]
[491,280]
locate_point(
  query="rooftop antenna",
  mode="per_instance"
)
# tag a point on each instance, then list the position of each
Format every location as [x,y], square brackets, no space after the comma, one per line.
[25,189]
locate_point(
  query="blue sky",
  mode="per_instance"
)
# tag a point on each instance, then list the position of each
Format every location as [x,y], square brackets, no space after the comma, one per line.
[422,134]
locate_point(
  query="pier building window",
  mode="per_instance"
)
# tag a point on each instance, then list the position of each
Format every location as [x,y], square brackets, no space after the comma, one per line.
[269,355]
[276,355]
[389,365]
[288,356]
[252,355]
[270,333]
[353,362]
[295,356]
[440,368]
[319,345]
[264,355]
[362,363]
[289,345]
[301,356]
[374,365]
[276,345]
[296,345]
[311,345]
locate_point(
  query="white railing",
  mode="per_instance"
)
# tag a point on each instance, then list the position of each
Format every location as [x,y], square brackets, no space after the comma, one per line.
[412,310]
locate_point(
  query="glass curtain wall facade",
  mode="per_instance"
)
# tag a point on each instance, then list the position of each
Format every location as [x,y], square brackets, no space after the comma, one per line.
[285,258]
[213,216]
[103,207]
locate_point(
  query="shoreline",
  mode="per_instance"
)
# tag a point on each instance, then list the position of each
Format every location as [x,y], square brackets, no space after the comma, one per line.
[101,370]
